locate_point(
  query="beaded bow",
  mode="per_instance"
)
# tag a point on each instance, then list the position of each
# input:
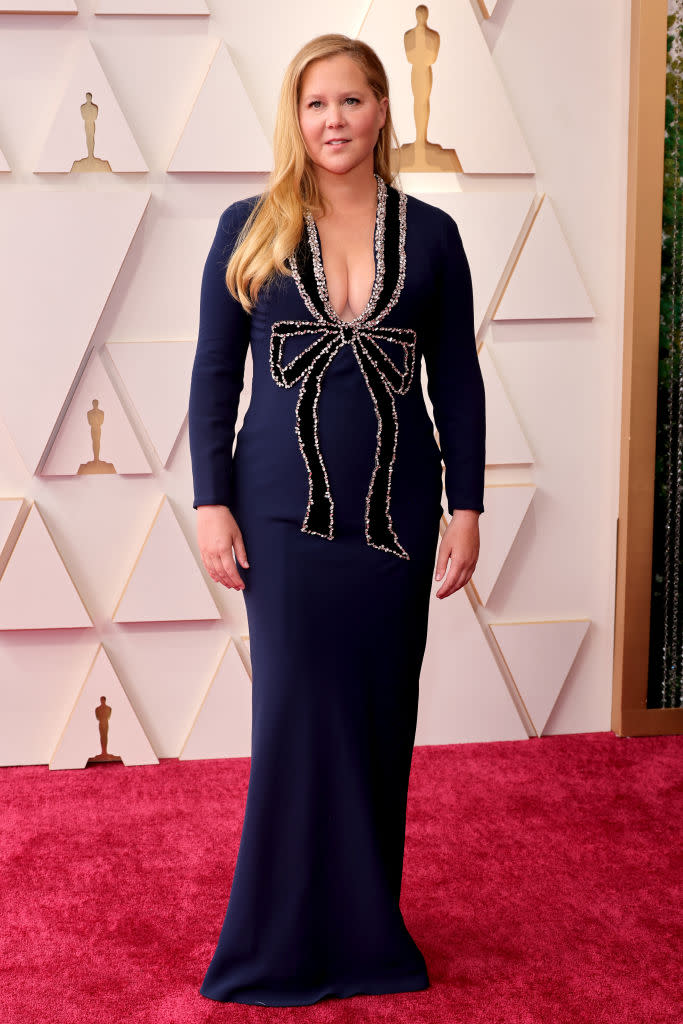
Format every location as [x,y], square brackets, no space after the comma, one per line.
[384,376]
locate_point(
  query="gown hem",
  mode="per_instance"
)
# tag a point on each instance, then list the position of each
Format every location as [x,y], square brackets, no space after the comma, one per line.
[412,983]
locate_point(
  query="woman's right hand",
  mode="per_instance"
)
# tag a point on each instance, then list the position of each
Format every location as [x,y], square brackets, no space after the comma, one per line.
[217,534]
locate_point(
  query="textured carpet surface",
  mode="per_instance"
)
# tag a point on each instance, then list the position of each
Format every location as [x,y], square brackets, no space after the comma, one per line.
[542,881]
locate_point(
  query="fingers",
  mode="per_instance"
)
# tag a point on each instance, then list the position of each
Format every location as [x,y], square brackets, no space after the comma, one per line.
[459,572]
[442,560]
[231,571]
[222,569]
[221,565]
[240,550]
[216,570]
[456,577]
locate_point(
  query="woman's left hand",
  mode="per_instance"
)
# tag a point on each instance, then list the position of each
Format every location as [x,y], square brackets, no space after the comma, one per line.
[460,543]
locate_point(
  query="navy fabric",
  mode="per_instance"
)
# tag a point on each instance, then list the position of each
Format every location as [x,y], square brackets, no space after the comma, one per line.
[337,627]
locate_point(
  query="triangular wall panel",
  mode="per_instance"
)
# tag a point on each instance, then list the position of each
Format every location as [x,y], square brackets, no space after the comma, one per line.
[539,656]
[66,141]
[222,726]
[74,447]
[545,283]
[165,583]
[469,109]
[82,738]
[166,671]
[505,442]
[223,132]
[506,505]
[463,696]
[162,407]
[44,342]
[40,674]
[36,590]
[490,225]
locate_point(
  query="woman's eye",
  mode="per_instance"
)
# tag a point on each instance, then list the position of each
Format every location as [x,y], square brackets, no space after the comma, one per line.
[350,99]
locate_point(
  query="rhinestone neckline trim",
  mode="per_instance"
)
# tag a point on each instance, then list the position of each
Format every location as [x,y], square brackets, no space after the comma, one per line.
[319,269]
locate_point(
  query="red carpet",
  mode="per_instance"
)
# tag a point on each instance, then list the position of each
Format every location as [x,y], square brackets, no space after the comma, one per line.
[542,881]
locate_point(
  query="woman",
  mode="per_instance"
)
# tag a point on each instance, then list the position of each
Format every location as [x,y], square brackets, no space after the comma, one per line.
[332,503]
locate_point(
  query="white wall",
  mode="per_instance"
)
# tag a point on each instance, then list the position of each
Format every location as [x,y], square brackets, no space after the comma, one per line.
[564,68]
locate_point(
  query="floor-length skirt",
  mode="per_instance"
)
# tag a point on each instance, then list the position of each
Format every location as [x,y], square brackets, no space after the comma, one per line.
[337,636]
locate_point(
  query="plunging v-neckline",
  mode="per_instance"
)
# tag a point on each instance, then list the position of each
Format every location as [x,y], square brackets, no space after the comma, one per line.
[377,246]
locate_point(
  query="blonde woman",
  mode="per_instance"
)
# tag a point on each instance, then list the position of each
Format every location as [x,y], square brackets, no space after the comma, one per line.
[327,518]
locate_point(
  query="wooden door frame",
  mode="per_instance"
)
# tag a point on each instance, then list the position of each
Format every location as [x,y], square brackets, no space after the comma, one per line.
[630,714]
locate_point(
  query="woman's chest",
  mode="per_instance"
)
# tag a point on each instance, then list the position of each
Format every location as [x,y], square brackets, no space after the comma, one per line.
[386,294]
[348,262]
[405,294]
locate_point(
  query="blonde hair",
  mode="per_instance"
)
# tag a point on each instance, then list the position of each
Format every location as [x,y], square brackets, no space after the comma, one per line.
[274,227]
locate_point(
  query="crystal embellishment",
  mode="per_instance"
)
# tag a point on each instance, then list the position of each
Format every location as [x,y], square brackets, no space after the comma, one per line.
[384,376]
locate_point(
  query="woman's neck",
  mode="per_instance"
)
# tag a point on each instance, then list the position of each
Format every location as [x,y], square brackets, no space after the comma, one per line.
[348,193]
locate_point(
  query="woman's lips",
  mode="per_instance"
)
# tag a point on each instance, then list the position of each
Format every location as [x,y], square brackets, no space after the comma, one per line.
[337,142]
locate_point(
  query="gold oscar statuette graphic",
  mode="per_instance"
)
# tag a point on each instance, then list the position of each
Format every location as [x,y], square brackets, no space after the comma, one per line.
[422,47]
[95,419]
[90,162]
[103,714]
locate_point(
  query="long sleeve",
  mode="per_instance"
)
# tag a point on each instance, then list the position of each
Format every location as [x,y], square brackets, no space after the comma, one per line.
[218,369]
[454,380]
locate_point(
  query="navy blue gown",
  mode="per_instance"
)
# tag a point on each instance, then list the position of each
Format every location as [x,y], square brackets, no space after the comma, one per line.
[336,485]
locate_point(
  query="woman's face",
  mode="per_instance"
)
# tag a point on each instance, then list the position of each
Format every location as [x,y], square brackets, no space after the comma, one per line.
[336,102]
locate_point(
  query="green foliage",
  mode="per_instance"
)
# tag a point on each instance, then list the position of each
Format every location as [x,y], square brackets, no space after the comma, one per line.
[665,671]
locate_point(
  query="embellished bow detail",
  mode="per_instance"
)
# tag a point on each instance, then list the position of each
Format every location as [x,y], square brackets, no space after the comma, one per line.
[383,376]
[384,379]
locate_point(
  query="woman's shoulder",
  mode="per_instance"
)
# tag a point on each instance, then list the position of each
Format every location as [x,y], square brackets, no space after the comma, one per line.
[232,220]
[431,223]
[429,213]
[234,215]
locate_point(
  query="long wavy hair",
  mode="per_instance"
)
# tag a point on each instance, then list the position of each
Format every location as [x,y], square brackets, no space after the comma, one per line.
[274,227]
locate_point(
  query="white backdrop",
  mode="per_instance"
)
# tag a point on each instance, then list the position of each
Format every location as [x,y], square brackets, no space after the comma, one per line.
[102,583]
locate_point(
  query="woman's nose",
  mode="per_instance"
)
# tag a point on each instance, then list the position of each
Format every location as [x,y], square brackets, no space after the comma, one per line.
[335,119]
